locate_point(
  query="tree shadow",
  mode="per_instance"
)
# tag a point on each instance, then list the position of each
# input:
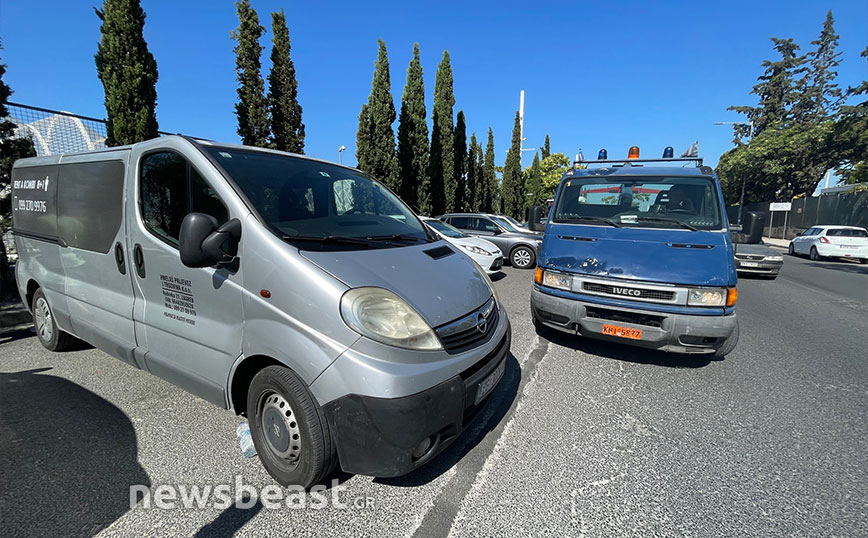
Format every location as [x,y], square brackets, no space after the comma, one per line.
[845,266]
[69,457]
[229,521]
[486,420]
[626,352]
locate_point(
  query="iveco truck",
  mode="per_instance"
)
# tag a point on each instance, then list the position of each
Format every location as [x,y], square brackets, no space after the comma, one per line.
[299,293]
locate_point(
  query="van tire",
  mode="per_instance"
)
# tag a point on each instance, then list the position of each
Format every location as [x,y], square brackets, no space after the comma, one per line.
[47,331]
[522,257]
[316,457]
[730,343]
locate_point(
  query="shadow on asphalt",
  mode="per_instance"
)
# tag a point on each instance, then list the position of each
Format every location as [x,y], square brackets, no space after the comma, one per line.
[845,266]
[485,421]
[11,335]
[229,521]
[68,460]
[624,352]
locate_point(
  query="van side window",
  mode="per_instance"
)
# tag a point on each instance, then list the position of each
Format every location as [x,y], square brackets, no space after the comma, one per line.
[169,189]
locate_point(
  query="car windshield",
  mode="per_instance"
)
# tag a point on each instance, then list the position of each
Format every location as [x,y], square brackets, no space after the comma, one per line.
[640,202]
[515,223]
[445,229]
[846,232]
[313,203]
[503,222]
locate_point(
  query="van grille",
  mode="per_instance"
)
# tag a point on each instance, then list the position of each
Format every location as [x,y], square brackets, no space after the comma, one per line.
[628,292]
[464,333]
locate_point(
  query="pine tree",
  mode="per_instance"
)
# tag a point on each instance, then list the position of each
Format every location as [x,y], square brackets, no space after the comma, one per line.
[413,138]
[472,189]
[511,185]
[822,72]
[252,107]
[377,154]
[460,143]
[128,73]
[287,129]
[489,179]
[442,164]
[547,148]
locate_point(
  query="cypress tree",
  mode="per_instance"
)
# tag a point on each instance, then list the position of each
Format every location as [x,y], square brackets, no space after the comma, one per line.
[442,163]
[511,187]
[128,73]
[460,142]
[377,155]
[287,129]
[413,138]
[489,179]
[547,148]
[534,184]
[470,193]
[252,107]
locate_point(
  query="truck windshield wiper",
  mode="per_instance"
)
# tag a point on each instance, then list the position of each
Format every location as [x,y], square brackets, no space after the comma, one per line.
[589,218]
[672,221]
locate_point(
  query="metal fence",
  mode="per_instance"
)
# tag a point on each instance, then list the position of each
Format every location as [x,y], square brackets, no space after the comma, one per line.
[847,208]
[55,131]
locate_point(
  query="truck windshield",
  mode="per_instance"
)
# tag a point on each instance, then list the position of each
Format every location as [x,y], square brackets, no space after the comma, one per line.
[313,204]
[640,202]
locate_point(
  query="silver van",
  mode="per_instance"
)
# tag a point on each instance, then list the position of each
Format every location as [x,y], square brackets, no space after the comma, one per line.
[301,294]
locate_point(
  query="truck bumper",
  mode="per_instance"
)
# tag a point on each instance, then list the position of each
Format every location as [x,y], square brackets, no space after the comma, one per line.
[389,437]
[680,333]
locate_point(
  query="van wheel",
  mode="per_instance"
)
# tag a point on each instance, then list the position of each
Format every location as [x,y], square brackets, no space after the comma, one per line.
[730,343]
[289,430]
[47,331]
[522,257]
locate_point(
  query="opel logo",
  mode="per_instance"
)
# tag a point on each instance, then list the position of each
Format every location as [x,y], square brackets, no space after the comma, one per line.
[481,323]
[276,430]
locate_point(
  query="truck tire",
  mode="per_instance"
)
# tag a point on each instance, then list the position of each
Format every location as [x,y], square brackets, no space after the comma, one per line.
[522,257]
[730,343]
[289,430]
[47,331]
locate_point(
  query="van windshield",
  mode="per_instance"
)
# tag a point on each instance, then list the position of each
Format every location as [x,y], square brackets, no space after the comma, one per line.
[640,202]
[313,204]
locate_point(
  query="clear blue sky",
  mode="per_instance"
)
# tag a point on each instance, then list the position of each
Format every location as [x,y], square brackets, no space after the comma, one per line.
[596,74]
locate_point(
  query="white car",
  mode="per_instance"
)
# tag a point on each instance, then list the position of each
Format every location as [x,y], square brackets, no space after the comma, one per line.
[484,253]
[821,242]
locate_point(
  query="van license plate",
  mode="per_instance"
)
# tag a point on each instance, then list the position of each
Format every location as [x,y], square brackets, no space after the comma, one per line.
[489,382]
[623,332]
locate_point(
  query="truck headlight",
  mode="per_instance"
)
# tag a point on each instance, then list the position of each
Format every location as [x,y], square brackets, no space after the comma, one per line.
[381,315]
[477,250]
[774,258]
[557,280]
[712,296]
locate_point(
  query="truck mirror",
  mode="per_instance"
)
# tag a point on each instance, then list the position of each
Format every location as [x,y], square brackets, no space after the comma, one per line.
[203,244]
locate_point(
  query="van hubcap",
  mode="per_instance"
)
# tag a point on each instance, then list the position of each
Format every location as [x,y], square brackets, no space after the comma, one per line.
[280,427]
[44,325]
[521,258]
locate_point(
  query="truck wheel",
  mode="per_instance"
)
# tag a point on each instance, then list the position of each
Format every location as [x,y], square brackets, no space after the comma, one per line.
[289,430]
[730,343]
[522,257]
[47,331]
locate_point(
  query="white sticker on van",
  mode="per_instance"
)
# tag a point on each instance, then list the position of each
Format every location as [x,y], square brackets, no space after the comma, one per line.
[178,299]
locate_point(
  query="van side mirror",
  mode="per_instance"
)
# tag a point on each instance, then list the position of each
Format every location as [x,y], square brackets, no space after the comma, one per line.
[203,244]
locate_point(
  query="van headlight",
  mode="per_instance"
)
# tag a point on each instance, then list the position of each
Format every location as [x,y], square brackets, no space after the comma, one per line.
[558,281]
[381,315]
[707,297]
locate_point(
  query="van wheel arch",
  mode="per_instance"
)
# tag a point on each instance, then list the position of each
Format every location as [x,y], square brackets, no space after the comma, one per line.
[32,286]
[244,374]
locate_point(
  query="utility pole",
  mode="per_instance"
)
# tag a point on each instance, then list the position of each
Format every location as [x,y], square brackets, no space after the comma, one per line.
[521,127]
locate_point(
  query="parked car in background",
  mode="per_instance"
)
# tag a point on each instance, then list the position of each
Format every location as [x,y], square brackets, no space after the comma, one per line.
[511,222]
[826,241]
[520,248]
[758,259]
[485,253]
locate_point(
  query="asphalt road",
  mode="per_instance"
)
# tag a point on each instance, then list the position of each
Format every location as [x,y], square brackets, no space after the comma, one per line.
[580,438]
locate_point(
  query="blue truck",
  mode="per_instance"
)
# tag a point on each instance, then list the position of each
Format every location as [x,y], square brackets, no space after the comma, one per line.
[639,251]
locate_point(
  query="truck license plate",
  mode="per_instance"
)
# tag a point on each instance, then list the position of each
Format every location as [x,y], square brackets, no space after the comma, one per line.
[489,382]
[622,332]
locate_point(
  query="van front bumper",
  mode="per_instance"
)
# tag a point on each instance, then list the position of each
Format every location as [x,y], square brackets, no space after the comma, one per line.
[679,333]
[389,437]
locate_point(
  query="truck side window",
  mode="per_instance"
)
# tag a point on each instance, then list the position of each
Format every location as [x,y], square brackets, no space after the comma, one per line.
[169,189]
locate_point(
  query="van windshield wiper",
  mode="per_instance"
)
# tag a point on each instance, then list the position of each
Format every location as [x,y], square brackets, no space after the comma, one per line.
[397,237]
[672,221]
[589,218]
[327,239]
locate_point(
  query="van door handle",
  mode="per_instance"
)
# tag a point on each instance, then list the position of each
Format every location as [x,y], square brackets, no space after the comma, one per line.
[139,260]
[119,258]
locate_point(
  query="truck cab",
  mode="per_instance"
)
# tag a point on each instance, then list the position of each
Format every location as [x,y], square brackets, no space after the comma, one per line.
[639,252]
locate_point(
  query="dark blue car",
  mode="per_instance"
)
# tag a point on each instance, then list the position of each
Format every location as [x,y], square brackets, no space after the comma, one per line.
[640,252]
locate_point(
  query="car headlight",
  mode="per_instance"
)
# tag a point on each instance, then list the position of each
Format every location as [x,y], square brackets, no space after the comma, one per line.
[559,281]
[774,258]
[381,315]
[707,297]
[477,250]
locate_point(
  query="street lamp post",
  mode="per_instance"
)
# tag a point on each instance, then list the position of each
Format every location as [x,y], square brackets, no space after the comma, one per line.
[749,135]
[340,154]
